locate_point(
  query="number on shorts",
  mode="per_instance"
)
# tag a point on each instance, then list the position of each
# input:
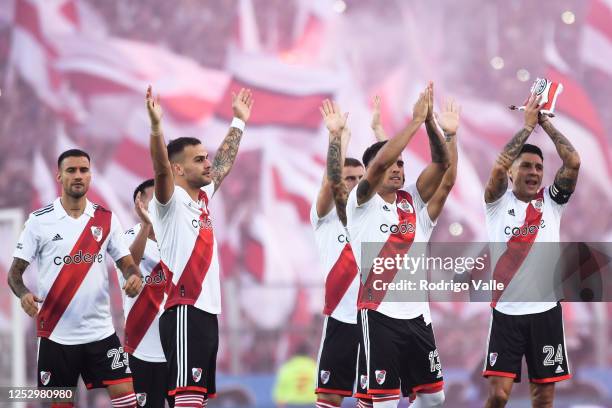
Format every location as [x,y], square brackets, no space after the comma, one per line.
[120,358]
[550,352]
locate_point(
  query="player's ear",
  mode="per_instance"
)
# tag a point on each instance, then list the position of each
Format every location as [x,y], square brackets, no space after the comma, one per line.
[509,174]
[58,175]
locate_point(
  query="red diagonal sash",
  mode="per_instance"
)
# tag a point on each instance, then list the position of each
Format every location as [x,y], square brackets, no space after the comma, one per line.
[370,298]
[518,247]
[145,309]
[72,275]
[189,286]
[339,279]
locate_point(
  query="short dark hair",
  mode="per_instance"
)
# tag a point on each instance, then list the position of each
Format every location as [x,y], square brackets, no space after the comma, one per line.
[529,148]
[142,187]
[351,162]
[71,153]
[371,151]
[176,146]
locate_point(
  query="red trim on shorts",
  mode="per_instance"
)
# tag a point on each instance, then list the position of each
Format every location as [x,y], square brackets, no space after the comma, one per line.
[387,391]
[214,395]
[332,391]
[384,399]
[498,374]
[62,405]
[429,388]
[124,395]
[119,381]
[363,396]
[89,386]
[189,388]
[550,379]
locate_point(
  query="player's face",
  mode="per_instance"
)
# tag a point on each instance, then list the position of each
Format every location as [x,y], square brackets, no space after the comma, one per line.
[195,166]
[147,195]
[75,176]
[394,176]
[352,175]
[526,173]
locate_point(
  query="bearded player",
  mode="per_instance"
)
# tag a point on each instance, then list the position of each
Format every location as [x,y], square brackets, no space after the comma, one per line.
[69,240]
[520,328]
[146,356]
[400,347]
[340,348]
[185,182]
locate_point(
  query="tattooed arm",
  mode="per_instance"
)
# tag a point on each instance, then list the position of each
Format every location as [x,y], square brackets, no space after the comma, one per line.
[567,175]
[391,151]
[498,181]
[227,152]
[333,190]
[164,180]
[15,281]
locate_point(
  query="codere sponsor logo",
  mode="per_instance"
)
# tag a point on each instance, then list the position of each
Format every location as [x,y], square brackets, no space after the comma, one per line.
[206,223]
[524,230]
[78,258]
[401,228]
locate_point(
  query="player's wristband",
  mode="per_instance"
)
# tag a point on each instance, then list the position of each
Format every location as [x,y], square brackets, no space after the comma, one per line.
[238,124]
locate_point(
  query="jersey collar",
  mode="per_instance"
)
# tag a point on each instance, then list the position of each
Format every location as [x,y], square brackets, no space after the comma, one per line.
[61,213]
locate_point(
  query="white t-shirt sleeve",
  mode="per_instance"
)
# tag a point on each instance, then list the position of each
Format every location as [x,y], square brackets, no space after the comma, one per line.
[117,247]
[493,209]
[161,211]
[28,243]
[418,202]
[315,220]
[557,208]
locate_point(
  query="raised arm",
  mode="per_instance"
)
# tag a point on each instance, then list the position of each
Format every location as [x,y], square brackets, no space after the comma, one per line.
[339,136]
[377,127]
[227,152]
[140,241]
[389,153]
[164,180]
[29,302]
[567,175]
[449,121]
[498,181]
[430,178]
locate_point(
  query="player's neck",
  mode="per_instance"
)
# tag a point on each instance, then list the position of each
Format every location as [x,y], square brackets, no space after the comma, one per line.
[388,195]
[523,197]
[74,207]
[193,192]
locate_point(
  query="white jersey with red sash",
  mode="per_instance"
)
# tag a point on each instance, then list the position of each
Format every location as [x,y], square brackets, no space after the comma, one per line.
[72,274]
[142,312]
[188,249]
[402,222]
[342,279]
[517,265]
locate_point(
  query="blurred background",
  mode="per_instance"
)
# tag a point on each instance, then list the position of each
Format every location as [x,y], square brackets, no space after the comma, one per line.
[73,73]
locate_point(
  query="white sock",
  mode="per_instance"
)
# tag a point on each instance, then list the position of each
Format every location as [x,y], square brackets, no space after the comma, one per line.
[385,401]
[428,400]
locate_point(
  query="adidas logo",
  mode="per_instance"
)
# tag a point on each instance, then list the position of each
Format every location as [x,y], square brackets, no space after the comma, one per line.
[57,237]
[386,208]
[559,370]
[511,212]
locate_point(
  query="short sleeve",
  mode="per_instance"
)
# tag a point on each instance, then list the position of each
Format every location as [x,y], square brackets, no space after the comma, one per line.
[315,220]
[161,211]
[417,201]
[555,205]
[117,247]
[28,243]
[492,209]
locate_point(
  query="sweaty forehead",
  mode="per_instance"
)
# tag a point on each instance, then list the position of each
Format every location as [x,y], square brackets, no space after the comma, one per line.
[194,150]
[353,170]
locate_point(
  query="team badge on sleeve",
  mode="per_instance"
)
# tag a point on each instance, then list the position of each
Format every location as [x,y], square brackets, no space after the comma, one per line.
[97,233]
[325,376]
[196,373]
[363,381]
